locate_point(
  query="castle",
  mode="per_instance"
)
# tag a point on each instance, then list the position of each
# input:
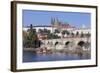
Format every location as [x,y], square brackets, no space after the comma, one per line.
[56,24]
[73,35]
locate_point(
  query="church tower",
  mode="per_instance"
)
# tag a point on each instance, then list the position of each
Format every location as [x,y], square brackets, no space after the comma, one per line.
[55,22]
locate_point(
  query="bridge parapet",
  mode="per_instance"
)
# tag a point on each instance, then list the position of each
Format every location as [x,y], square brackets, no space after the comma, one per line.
[64,40]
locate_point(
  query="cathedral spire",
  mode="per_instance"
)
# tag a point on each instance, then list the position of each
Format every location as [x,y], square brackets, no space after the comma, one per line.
[52,21]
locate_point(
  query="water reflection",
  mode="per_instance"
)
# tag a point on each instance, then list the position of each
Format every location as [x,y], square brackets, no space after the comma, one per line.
[57,56]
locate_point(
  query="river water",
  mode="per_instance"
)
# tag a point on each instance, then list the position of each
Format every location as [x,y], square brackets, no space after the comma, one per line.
[32,57]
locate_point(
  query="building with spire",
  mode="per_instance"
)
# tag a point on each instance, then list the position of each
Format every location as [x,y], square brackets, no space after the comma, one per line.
[56,24]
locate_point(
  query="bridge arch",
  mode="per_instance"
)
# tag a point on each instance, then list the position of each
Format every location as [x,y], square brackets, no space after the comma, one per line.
[67,43]
[56,43]
[81,43]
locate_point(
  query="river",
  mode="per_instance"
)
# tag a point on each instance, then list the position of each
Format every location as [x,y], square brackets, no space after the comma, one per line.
[32,57]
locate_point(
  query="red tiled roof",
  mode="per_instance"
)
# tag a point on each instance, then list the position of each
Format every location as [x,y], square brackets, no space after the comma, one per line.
[64,26]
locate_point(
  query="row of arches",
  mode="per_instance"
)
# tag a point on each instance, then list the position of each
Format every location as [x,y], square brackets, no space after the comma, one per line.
[80,43]
[69,44]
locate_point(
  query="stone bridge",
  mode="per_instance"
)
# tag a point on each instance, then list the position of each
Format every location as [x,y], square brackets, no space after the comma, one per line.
[67,42]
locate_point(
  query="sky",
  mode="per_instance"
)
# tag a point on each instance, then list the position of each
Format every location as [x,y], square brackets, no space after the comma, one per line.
[36,18]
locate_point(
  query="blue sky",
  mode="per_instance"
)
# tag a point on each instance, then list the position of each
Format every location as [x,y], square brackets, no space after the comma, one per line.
[76,19]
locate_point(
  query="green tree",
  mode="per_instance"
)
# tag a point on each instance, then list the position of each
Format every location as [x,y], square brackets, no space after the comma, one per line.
[46,31]
[72,34]
[25,34]
[65,32]
[40,30]
[32,39]
[56,31]
[77,33]
[88,35]
[82,34]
